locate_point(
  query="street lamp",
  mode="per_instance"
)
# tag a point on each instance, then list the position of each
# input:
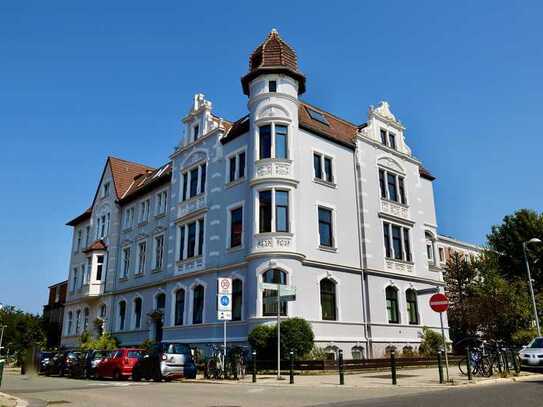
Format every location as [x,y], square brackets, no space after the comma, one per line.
[524,244]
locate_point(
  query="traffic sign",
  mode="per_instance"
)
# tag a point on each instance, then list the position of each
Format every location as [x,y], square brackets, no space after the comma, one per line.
[224,302]
[225,285]
[224,315]
[439,302]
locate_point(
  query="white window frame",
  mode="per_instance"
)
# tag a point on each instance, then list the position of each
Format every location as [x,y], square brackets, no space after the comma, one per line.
[125,262]
[133,314]
[397,177]
[229,209]
[140,268]
[196,283]
[322,156]
[332,208]
[79,239]
[273,123]
[291,206]
[188,170]
[155,246]
[185,224]
[403,228]
[237,177]
[161,202]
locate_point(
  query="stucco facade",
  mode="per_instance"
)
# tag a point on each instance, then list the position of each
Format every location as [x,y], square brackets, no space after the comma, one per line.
[316,194]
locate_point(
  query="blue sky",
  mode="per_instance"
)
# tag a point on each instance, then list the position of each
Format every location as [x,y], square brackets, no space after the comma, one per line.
[80,81]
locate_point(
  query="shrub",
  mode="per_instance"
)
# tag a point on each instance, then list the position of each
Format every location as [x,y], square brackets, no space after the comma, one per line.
[105,342]
[432,342]
[317,353]
[147,344]
[261,340]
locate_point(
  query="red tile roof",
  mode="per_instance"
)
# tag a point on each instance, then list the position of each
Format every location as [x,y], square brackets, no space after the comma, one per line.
[96,245]
[274,55]
[424,173]
[143,183]
[236,129]
[124,173]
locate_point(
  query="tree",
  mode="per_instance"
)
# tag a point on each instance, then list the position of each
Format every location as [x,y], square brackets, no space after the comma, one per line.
[106,341]
[261,340]
[23,330]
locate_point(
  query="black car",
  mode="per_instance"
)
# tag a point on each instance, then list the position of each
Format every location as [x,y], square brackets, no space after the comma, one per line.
[165,361]
[90,361]
[61,363]
[43,360]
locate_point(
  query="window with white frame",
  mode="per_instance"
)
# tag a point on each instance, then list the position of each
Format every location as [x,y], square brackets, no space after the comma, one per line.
[142,254]
[273,141]
[84,280]
[79,238]
[273,211]
[441,255]
[158,253]
[129,217]
[99,267]
[322,167]
[161,202]
[236,166]
[75,277]
[126,262]
[397,242]
[326,230]
[191,239]
[144,210]
[86,314]
[77,321]
[122,315]
[195,132]
[193,181]
[388,139]
[137,312]
[392,186]
[236,227]
[102,226]
[89,269]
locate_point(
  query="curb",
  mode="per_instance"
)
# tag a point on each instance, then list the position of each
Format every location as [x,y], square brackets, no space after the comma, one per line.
[18,402]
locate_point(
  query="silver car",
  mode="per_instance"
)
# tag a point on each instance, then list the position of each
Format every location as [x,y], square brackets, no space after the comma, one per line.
[176,361]
[532,354]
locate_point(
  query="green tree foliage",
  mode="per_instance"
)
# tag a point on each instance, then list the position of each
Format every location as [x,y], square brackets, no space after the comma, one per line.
[23,330]
[296,335]
[523,337]
[105,342]
[431,342]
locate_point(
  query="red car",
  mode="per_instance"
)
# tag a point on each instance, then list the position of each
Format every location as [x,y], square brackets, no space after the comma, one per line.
[118,365]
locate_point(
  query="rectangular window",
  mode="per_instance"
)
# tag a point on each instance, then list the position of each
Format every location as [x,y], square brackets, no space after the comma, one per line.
[401,184]
[429,251]
[87,236]
[161,202]
[397,242]
[203,175]
[272,86]
[232,172]
[281,141]
[392,192]
[181,242]
[79,234]
[201,236]
[241,164]
[325,227]
[382,184]
[236,227]
[89,269]
[407,244]
[328,169]
[386,230]
[191,240]
[195,132]
[265,211]
[126,262]
[281,211]
[185,185]
[265,142]
[159,251]
[384,137]
[441,254]
[74,285]
[99,267]
[317,166]
[236,166]
[392,140]
[105,191]
[194,182]
[142,254]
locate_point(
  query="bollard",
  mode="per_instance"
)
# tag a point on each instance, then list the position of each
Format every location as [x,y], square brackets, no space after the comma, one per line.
[291,367]
[393,366]
[1,370]
[439,367]
[254,366]
[340,366]
[515,363]
[468,362]
[506,362]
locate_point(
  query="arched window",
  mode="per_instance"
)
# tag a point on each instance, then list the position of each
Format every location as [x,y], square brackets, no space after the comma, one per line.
[77,321]
[328,299]
[273,276]
[357,352]
[86,319]
[392,305]
[137,312]
[237,299]
[412,308]
[122,315]
[179,307]
[198,305]
[429,247]
[161,301]
[70,323]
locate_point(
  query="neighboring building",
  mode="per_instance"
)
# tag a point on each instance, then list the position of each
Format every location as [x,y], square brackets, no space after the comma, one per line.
[447,246]
[289,194]
[53,313]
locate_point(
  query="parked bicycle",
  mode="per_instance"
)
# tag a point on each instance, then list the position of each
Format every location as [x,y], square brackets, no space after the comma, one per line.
[489,358]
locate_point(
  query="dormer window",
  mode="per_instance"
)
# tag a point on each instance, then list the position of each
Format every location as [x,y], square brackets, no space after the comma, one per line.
[272,86]
[195,132]
[388,139]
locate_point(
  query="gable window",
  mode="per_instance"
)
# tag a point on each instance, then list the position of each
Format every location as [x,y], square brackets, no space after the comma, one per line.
[273,276]
[195,132]
[79,238]
[392,140]
[102,226]
[126,262]
[272,86]
[322,167]
[122,315]
[326,237]
[129,217]
[328,300]
[198,304]
[142,254]
[236,166]
[191,239]
[194,181]
[179,307]
[392,305]
[267,200]
[384,140]
[388,139]
[105,190]
[137,313]
[159,252]
[99,267]
[236,227]
[273,141]
[397,242]
[392,186]
[237,299]
[412,307]
[87,236]
[161,202]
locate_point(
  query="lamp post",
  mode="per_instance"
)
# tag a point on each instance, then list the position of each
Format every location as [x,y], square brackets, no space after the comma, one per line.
[524,245]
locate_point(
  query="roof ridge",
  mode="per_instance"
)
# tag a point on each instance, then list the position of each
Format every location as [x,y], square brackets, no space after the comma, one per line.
[128,161]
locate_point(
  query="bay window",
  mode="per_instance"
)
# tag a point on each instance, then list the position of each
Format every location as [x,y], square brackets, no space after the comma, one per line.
[268,201]
[397,242]
[273,141]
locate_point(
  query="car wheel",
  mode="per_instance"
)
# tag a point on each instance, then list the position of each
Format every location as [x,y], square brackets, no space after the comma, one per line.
[136,377]
[116,375]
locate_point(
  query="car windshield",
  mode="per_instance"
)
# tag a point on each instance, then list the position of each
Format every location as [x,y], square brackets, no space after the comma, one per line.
[133,354]
[537,343]
[176,348]
[73,355]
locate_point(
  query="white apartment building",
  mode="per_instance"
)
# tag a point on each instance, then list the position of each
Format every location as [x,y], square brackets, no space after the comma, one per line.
[288,194]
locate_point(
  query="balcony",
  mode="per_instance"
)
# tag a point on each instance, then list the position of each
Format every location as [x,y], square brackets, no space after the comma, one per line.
[394,209]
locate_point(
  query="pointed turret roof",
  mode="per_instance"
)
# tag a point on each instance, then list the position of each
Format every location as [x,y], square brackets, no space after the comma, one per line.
[274,55]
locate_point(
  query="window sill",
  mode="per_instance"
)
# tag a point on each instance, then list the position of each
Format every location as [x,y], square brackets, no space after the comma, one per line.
[160,215]
[328,249]
[154,271]
[191,199]
[325,183]
[411,263]
[406,206]
[232,184]
[139,275]
[123,278]
[273,160]
[188,259]
[271,234]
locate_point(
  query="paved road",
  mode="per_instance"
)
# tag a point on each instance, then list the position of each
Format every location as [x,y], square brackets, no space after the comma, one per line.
[43,390]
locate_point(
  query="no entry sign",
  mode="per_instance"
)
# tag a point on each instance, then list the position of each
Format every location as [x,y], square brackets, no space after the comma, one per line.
[439,302]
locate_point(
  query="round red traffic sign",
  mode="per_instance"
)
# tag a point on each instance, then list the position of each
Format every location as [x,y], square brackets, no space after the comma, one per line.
[439,302]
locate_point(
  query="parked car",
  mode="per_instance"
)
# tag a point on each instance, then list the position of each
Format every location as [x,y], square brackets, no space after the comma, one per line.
[43,360]
[83,365]
[92,359]
[60,363]
[118,365]
[532,354]
[167,360]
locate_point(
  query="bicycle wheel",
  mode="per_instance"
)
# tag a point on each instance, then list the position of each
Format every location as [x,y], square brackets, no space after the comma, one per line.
[463,366]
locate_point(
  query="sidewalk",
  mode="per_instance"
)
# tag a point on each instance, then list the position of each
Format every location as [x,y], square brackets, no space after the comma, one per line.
[408,377]
[9,401]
